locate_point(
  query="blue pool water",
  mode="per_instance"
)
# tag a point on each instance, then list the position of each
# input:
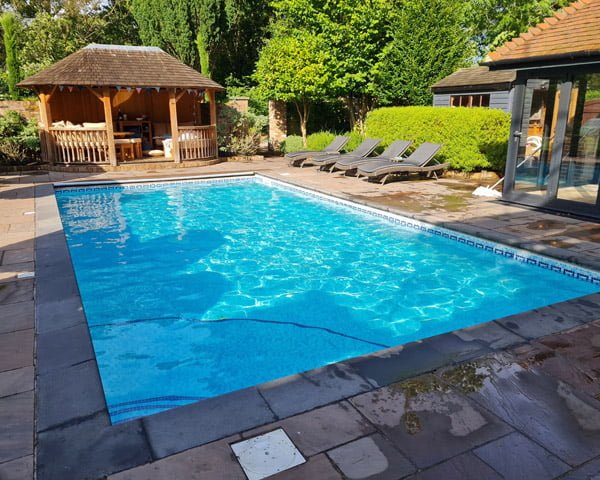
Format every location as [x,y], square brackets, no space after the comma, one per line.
[192,290]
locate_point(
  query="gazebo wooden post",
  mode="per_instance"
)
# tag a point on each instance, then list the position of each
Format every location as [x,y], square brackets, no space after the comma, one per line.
[106,103]
[213,118]
[46,121]
[174,125]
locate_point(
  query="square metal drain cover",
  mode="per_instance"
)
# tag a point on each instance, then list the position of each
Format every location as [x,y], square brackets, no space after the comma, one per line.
[267,454]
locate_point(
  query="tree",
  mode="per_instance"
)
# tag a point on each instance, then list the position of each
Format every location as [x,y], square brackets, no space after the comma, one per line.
[10,29]
[292,67]
[497,21]
[430,42]
[355,32]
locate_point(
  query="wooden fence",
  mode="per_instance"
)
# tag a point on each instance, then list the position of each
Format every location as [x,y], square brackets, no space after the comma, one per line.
[197,143]
[79,145]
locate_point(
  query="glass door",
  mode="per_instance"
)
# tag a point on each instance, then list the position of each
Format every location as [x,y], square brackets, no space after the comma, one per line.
[535,137]
[580,161]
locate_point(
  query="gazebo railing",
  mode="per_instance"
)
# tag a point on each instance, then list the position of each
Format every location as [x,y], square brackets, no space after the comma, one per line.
[79,145]
[197,142]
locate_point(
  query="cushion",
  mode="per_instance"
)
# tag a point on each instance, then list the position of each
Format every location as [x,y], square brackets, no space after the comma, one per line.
[94,124]
[156,153]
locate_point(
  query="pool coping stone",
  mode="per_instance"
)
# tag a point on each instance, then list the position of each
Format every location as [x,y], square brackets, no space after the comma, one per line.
[63,423]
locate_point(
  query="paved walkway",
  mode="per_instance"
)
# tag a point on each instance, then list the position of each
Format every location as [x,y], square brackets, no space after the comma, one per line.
[518,408]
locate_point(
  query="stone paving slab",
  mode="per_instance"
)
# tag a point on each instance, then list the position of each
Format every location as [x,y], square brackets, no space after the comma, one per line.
[299,393]
[589,471]
[214,461]
[18,469]
[91,449]
[185,427]
[62,348]
[464,467]
[562,420]
[67,394]
[17,426]
[492,334]
[16,292]
[16,316]
[318,467]
[16,350]
[16,381]
[371,457]
[19,255]
[56,315]
[516,457]
[419,413]
[322,429]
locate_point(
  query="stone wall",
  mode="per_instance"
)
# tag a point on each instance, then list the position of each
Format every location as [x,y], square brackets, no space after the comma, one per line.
[27,108]
[277,124]
[239,103]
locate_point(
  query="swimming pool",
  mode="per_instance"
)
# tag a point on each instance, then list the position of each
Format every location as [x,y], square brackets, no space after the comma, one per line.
[198,288]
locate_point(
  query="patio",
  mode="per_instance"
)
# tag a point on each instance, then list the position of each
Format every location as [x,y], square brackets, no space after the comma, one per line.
[514,398]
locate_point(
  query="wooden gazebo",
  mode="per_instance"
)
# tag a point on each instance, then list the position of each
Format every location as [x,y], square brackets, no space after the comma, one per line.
[115,103]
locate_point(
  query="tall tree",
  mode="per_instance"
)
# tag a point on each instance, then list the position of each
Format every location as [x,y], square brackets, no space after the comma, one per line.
[430,42]
[10,29]
[496,21]
[292,67]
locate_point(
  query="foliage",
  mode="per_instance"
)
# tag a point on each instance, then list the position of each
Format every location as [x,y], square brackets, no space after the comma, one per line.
[493,22]
[472,138]
[19,140]
[435,47]
[355,33]
[239,133]
[292,143]
[291,67]
[10,30]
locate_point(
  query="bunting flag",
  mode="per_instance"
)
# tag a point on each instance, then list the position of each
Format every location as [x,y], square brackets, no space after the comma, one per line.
[138,89]
[190,91]
[61,88]
[70,88]
[157,89]
[129,89]
[118,88]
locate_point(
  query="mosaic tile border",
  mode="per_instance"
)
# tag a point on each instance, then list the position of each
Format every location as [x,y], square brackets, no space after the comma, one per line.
[519,255]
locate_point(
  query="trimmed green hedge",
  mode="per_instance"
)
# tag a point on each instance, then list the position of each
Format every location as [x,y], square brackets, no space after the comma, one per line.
[318,141]
[472,138]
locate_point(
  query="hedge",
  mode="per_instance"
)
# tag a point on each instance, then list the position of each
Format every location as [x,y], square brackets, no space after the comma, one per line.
[472,138]
[318,141]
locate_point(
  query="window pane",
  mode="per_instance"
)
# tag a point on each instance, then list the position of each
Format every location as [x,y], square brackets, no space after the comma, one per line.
[580,165]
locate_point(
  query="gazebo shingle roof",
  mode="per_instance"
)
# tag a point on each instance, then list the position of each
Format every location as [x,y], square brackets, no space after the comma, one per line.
[574,31]
[120,65]
[476,77]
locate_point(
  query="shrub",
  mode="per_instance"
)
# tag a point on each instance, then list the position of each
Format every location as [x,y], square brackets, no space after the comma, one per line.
[472,138]
[239,133]
[19,139]
[318,141]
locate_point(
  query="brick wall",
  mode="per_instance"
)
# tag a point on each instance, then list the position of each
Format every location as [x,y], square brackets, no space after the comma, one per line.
[27,108]
[277,124]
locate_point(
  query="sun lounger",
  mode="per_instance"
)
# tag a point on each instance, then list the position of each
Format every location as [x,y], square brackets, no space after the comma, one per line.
[421,161]
[323,161]
[392,153]
[332,149]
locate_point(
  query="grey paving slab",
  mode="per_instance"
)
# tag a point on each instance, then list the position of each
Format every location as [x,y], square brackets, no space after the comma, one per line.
[427,421]
[321,429]
[17,291]
[298,393]
[16,316]
[492,334]
[371,457]
[518,458]
[19,255]
[58,314]
[16,381]
[67,394]
[456,349]
[56,287]
[564,421]
[196,424]
[214,461]
[19,469]
[90,449]
[62,348]
[462,467]
[17,426]
[589,471]
[395,364]
[539,323]
[16,350]
[316,468]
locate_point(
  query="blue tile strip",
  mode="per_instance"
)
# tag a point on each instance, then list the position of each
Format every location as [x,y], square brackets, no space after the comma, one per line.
[519,255]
